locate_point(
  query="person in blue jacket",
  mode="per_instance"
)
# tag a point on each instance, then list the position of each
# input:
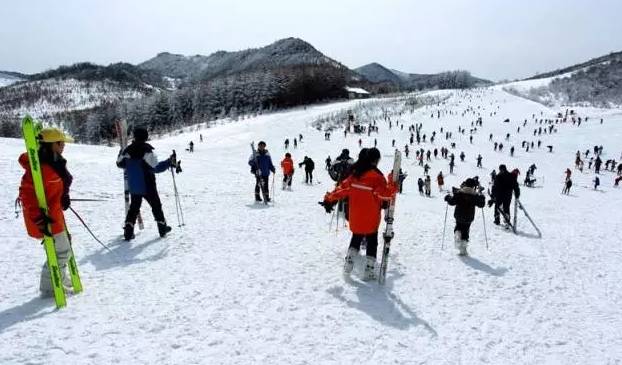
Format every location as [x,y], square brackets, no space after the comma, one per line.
[141,165]
[261,166]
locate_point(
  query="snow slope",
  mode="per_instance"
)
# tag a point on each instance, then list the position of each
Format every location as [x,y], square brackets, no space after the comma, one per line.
[242,283]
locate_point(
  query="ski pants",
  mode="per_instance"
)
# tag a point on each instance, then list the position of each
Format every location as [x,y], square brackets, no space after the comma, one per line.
[136,201]
[63,253]
[463,228]
[371,241]
[504,206]
[261,184]
[309,176]
[287,179]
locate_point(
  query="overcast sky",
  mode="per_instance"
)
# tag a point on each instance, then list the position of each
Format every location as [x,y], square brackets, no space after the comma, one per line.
[494,39]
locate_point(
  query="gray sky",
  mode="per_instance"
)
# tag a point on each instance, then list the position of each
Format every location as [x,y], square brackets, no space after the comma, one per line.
[494,39]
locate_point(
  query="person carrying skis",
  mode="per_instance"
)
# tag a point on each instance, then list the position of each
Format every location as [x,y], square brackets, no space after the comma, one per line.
[504,184]
[141,165]
[56,182]
[465,200]
[288,171]
[261,166]
[367,191]
[309,166]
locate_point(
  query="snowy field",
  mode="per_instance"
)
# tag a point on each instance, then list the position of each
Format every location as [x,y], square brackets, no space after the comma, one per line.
[247,284]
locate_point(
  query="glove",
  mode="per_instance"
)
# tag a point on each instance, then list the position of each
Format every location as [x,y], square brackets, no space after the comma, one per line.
[491,202]
[178,167]
[327,206]
[42,222]
[65,201]
[173,160]
[447,198]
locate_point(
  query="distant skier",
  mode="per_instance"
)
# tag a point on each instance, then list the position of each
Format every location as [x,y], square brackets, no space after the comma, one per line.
[502,188]
[328,162]
[288,171]
[440,180]
[479,160]
[462,155]
[465,200]
[567,186]
[295,143]
[141,165]
[420,185]
[309,167]
[428,186]
[286,143]
[56,183]
[596,182]
[367,190]
[261,166]
[191,147]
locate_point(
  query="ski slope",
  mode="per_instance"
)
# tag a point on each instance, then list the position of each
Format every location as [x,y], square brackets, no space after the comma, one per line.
[243,283]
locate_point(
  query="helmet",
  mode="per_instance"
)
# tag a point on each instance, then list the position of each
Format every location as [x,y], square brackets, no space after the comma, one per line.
[50,135]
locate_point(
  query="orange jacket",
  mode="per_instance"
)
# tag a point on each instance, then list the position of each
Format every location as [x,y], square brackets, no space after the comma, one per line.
[365,195]
[288,166]
[53,186]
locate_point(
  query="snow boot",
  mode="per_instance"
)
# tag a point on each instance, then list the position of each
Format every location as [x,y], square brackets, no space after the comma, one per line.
[163,229]
[349,260]
[128,231]
[257,198]
[461,244]
[370,266]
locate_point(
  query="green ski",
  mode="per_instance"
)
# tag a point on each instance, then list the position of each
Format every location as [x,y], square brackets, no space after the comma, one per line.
[31,130]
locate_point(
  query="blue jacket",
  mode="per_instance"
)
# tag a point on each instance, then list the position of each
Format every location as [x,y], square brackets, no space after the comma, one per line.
[264,161]
[141,165]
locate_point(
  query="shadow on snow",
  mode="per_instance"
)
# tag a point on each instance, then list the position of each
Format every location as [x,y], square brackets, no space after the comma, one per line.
[381,305]
[123,254]
[25,312]
[478,265]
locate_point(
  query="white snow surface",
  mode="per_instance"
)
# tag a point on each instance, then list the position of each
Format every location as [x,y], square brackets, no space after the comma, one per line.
[242,283]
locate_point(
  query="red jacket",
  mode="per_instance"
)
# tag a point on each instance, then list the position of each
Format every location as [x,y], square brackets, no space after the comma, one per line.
[53,186]
[365,195]
[288,166]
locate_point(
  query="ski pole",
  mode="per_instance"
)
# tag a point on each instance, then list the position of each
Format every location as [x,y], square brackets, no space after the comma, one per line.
[178,209]
[88,200]
[89,230]
[444,226]
[485,235]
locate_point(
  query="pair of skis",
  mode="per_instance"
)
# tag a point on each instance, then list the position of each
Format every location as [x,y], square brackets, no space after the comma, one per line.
[31,130]
[121,128]
[388,233]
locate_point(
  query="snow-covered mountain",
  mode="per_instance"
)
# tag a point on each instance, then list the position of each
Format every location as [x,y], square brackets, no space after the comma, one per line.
[283,53]
[242,283]
[8,78]
[595,82]
[378,73]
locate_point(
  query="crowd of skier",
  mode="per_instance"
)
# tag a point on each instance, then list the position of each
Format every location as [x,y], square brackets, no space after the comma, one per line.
[361,190]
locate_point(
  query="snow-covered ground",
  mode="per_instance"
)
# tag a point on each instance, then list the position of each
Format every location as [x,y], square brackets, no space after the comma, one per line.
[243,283]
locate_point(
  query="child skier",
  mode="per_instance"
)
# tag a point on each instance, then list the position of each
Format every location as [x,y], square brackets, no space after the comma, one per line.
[367,190]
[465,199]
[288,171]
[56,182]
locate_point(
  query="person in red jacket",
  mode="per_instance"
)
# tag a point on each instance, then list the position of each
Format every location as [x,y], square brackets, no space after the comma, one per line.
[288,171]
[56,183]
[367,190]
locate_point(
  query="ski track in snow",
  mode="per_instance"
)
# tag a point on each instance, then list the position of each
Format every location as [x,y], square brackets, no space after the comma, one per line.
[244,283]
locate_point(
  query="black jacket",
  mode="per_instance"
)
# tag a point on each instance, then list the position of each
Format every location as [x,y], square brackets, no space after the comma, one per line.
[308,163]
[503,186]
[465,199]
